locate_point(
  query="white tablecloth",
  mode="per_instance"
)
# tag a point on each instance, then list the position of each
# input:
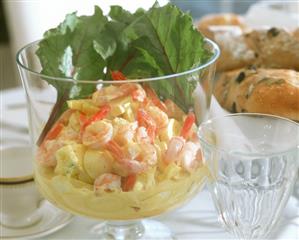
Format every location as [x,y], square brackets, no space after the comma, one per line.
[196,220]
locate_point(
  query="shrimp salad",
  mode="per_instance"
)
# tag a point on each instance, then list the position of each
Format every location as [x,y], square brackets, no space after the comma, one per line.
[121,154]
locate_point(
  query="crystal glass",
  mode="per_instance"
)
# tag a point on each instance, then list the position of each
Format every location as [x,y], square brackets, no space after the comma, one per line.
[127,152]
[253,162]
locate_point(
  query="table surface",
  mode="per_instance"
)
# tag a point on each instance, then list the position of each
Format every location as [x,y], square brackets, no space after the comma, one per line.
[196,220]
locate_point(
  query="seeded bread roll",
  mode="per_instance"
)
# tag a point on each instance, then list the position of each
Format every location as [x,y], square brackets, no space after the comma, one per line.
[235,52]
[273,48]
[296,34]
[271,91]
[221,19]
[220,23]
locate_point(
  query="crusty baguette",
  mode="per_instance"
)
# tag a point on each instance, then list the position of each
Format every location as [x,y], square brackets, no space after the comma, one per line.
[272,48]
[271,91]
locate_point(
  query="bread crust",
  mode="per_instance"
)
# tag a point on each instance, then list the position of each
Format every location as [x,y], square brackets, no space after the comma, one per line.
[296,34]
[220,23]
[272,85]
[271,91]
[221,19]
[275,48]
[272,48]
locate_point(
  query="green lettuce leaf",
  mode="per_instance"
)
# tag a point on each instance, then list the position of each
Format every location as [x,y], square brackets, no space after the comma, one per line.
[144,44]
[68,51]
[173,46]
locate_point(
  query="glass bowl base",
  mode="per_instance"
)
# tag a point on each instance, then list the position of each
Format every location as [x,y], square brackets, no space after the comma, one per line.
[121,230]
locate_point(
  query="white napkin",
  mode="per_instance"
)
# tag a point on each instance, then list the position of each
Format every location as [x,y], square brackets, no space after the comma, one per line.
[283,14]
[228,131]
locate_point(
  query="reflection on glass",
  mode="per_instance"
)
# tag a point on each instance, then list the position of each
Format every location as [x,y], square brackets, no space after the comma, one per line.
[253,164]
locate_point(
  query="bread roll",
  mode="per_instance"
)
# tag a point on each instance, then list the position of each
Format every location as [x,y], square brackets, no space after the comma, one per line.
[271,91]
[235,52]
[273,48]
[221,19]
[220,23]
[296,34]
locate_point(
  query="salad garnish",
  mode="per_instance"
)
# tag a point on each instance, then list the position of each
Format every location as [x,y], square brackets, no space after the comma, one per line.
[119,46]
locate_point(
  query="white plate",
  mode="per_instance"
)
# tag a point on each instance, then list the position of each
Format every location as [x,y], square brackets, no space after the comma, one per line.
[16,163]
[52,220]
[13,107]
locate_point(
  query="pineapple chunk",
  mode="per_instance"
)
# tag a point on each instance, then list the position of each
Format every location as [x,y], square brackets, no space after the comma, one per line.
[75,104]
[135,106]
[119,106]
[138,186]
[145,180]
[173,129]
[129,115]
[118,121]
[97,162]
[84,105]
[161,148]
[74,121]
[88,108]
[172,171]
[69,160]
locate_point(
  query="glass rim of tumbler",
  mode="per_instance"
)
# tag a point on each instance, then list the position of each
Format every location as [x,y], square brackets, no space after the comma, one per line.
[247,154]
[215,50]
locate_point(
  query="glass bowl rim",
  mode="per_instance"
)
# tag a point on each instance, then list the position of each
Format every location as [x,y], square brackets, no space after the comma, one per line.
[213,58]
[244,154]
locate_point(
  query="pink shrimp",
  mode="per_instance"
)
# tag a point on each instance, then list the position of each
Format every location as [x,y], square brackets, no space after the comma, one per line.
[137,94]
[142,136]
[124,164]
[175,146]
[148,154]
[107,182]
[97,134]
[58,127]
[160,117]
[46,153]
[155,99]
[69,134]
[106,94]
[124,131]
[187,154]
[145,120]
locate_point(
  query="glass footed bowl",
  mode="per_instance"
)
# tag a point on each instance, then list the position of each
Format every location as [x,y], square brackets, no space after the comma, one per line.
[126,152]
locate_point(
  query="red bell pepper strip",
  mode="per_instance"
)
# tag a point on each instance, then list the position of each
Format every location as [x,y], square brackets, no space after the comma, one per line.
[153,96]
[97,116]
[54,132]
[117,75]
[129,183]
[189,121]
